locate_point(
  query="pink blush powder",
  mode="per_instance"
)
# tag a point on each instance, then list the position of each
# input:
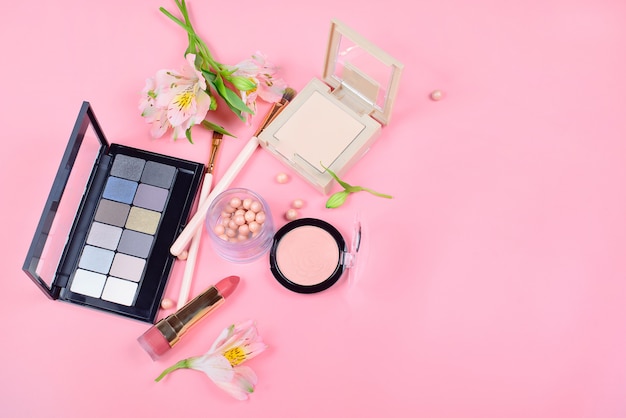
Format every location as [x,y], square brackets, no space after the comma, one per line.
[307,255]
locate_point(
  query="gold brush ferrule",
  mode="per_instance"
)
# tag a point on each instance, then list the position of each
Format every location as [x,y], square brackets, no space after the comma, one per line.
[217,140]
[276,109]
[175,325]
[268,118]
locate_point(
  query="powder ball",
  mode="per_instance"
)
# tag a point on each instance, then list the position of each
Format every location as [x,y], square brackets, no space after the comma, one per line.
[291,214]
[282,178]
[167,303]
[254,227]
[260,217]
[256,206]
[437,95]
[183,255]
[297,204]
[235,202]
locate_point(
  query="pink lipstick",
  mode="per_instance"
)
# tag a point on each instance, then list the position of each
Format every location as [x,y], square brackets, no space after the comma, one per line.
[168,331]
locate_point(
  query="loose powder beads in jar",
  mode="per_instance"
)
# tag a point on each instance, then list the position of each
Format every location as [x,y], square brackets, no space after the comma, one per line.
[240,220]
[240,225]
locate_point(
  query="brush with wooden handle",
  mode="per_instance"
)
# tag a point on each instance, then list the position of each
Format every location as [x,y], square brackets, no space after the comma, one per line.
[195,223]
[194,246]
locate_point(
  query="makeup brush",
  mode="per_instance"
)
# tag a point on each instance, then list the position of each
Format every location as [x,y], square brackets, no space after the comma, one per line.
[244,155]
[192,253]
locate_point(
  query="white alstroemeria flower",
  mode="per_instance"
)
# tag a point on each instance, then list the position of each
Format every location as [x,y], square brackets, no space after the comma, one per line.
[181,100]
[223,362]
[156,116]
[183,95]
[175,100]
[263,74]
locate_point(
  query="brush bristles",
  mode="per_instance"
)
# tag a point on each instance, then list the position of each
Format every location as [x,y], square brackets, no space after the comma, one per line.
[288,94]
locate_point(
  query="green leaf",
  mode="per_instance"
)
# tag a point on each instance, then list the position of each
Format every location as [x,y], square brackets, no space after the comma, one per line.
[337,199]
[217,128]
[213,104]
[243,83]
[188,135]
[231,98]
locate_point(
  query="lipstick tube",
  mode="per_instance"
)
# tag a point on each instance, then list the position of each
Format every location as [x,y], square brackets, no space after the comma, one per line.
[168,331]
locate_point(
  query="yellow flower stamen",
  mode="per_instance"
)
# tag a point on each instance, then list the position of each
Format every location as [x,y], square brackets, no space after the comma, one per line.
[235,356]
[184,99]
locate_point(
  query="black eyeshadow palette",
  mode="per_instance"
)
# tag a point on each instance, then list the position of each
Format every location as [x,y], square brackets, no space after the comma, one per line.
[112,214]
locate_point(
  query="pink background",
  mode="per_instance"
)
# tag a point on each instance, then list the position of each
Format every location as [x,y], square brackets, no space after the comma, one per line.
[492,285]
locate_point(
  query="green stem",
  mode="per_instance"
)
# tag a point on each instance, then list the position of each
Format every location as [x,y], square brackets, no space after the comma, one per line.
[183,364]
[194,38]
[386,196]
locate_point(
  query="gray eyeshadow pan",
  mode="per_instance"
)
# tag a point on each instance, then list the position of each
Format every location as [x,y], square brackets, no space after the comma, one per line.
[151,197]
[121,235]
[127,167]
[135,243]
[112,213]
[157,174]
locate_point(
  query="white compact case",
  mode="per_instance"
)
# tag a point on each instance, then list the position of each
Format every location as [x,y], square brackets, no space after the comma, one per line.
[333,123]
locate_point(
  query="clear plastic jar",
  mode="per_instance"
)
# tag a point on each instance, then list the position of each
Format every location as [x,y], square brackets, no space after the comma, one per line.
[240,225]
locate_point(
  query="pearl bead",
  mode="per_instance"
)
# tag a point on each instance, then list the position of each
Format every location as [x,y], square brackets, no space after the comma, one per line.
[167,303]
[291,214]
[247,202]
[282,178]
[260,217]
[254,227]
[297,204]
[235,202]
[437,95]
[249,216]
[256,206]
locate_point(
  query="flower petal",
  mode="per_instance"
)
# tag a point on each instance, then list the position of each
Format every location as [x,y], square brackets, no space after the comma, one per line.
[217,367]
[242,383]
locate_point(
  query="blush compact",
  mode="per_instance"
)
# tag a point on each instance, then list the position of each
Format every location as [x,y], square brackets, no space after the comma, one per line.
[112,213]
[310,255]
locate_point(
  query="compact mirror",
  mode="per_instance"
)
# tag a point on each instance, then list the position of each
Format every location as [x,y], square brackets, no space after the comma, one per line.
[355,68]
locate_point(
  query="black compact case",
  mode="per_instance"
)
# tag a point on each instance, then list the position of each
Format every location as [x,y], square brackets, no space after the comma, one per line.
[110,218]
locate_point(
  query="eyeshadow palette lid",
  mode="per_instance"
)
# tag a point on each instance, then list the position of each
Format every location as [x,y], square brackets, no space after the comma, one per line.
[65,201]
[360,73]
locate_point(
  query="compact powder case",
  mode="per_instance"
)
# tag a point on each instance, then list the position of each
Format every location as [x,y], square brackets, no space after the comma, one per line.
[112,213]
[310,255]
[332,123]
